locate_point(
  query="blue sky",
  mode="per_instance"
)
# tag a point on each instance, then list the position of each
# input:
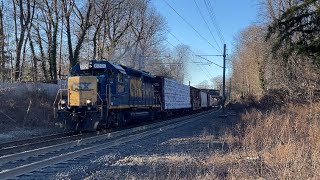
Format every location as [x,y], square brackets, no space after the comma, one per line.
[231,16]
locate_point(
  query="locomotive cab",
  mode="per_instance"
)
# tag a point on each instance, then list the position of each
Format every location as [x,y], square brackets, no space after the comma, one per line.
[84,103]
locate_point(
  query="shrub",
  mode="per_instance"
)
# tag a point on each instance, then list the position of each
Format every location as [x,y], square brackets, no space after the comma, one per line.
[281,143]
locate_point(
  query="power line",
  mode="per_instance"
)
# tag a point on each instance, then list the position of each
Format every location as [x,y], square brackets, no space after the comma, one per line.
[208,72]
[199,10]
[170,43]
[174,36]
[190,25]
[208,75]
[208,60]
[201,68]
[213,19]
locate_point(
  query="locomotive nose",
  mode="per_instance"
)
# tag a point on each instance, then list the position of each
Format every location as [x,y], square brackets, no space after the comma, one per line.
[82,91]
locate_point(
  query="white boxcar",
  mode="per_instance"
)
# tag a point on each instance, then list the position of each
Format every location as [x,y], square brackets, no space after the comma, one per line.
[176,95]
[204,99]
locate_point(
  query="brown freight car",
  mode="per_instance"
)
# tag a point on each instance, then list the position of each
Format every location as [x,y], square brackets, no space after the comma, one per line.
[195,98]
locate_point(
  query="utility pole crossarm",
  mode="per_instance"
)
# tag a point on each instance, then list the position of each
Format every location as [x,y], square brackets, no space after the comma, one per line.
[209,60]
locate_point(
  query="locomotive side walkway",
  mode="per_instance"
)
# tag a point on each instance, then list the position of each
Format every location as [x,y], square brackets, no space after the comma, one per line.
[180,153]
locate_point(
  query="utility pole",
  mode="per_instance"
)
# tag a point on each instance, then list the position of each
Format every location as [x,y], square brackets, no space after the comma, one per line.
[224,80]
[224,55]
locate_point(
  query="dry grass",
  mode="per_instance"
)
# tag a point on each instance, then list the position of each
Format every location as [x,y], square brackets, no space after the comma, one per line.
[279,144]
[30,109]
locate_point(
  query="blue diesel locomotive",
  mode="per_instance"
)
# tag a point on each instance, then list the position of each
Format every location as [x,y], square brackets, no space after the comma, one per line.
[105,94]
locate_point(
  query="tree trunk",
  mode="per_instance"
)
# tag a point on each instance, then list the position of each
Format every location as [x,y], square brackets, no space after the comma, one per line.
[43,57]
[24,20]
[53,53]
[23,59]
[71,60]
[2,44]
[34,60]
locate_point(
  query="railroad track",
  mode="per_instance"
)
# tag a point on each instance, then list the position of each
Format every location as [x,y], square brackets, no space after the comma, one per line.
[36,142]
[21,163]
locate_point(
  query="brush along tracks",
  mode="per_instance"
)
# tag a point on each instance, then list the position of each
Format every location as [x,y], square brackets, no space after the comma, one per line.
[17,164]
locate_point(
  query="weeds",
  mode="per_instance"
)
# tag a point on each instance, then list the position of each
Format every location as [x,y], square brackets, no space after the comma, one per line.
[30,109]
[280,144]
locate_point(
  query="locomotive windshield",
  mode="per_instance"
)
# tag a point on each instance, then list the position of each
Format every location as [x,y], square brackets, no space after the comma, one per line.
[97,68]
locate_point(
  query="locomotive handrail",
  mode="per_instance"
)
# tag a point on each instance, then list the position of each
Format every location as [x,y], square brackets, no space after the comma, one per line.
[55,100]
[158,97]
[101,113]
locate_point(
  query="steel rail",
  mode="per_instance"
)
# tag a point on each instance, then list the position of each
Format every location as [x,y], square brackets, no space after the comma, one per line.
[34,139]
[33,145]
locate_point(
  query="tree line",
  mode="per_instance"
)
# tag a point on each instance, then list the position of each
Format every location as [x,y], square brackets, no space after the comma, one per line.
[41,39]
[280,54]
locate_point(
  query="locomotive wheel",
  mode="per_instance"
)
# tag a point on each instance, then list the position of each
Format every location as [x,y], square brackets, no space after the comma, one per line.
[127,118]
[70,125]
[111,121]
[121,119]
[90,123]
[152,115]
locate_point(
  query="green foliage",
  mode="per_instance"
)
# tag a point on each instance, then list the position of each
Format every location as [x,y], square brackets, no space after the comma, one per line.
[298,30]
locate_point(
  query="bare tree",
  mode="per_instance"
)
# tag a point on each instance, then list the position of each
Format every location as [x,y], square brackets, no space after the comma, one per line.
[248,62]
[2,45]
[24,11]
[147,28]
[50,16]
[182,56]
[43,57]
[116,30]
[83,21]
[203,85]
[118,21]
[217,82]
[100,9]
[34,59]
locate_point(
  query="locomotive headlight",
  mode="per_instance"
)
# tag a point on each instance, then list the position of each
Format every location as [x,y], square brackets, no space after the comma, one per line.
[63,102]
[89,104]
[88,101]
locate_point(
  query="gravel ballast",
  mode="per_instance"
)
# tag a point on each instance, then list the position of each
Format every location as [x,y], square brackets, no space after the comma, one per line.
[180,153]
[26,133]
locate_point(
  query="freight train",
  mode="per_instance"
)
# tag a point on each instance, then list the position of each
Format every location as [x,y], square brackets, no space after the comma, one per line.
[104,94]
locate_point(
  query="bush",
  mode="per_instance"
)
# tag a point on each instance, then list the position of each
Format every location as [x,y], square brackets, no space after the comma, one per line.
[281,143]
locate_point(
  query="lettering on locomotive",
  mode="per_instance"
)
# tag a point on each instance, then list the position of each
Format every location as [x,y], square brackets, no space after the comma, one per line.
[81,86]
[99,66]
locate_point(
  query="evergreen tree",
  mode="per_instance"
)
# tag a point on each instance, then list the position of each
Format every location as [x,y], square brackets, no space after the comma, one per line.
[298,30]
